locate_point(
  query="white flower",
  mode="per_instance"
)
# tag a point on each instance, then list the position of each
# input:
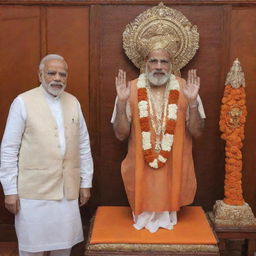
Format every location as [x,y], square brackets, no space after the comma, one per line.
[143,108]
[141,81]
[162,159]
[172,77]
[146,144]
[154,164]
[172,111]
[175,84]
[167,142]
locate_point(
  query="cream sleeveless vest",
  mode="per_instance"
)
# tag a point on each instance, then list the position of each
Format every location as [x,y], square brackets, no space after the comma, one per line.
[43,172]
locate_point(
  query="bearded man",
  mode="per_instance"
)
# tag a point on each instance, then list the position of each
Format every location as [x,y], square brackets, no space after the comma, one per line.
[46,164]
[159,112]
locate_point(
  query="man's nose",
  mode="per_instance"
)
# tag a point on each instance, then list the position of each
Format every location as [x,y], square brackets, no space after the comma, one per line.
[57,77]
[159,65]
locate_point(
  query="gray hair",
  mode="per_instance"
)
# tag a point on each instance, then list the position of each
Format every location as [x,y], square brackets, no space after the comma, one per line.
[47,58]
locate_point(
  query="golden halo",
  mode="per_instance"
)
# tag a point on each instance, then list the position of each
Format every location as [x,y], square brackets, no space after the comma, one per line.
[163,24]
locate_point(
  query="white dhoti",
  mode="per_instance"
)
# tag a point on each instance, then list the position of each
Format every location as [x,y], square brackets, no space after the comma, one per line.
[43,225]
[152,221]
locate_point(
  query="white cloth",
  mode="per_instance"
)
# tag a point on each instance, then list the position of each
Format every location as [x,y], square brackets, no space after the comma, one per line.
[65,252]
[152,221]
[43,225]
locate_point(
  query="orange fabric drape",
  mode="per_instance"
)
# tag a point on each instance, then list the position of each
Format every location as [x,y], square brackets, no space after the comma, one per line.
[169,187]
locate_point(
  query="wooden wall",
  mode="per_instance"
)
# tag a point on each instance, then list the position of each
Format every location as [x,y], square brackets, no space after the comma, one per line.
[89,35]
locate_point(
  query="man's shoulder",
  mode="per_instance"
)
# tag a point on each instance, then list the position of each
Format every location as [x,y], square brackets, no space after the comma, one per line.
[29,92]
[134,81]
[180,80]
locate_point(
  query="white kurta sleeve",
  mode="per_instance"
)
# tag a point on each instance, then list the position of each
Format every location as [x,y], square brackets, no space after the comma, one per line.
[86,162]
[128,112]
[200,109]
[10,146]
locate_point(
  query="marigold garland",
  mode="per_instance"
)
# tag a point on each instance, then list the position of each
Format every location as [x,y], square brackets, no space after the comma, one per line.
[155,159]
[233,134]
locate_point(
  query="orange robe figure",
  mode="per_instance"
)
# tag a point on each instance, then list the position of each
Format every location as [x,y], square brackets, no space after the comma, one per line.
[169,187]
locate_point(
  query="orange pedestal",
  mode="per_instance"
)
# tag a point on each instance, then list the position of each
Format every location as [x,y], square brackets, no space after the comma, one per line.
[112,233]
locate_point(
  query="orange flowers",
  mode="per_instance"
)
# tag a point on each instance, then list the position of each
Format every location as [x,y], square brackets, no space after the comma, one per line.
[142,94]
[173,97]
[232,120]
[170,126]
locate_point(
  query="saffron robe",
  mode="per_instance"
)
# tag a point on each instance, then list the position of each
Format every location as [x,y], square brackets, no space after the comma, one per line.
[169,187]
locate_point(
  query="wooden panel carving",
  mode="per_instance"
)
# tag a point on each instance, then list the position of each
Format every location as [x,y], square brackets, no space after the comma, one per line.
[68,35]
[19,58]
[128,2]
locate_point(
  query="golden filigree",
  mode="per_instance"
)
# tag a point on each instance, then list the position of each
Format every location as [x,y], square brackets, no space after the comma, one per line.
[161,28]
[235,76]
[233,215]
[233,116]
[178,248]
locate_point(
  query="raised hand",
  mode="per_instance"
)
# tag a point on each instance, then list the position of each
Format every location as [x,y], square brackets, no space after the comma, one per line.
[122,87]
[192,86]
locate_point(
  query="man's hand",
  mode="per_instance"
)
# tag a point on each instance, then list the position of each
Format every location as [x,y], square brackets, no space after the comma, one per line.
[122,88]
[191,88]
[12,203]
[84,196]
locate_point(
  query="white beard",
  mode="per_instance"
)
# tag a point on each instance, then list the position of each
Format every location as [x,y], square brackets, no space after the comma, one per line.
[53,91]
[157,81]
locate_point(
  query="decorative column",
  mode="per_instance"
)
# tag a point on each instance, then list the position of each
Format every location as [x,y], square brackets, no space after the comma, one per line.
[233,210]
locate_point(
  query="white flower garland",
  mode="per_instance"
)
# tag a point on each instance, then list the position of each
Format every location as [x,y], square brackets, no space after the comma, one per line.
[143,105]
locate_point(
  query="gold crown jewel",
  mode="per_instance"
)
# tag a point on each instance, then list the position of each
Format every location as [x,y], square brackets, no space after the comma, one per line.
[235,76]
[161,27]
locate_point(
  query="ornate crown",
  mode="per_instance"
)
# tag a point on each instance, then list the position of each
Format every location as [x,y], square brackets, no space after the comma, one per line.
[161,28]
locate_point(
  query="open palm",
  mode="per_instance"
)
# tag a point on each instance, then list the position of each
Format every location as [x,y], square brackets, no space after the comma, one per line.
[192,86]
[122,87]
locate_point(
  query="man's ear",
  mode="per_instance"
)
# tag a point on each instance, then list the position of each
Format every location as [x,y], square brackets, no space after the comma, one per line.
[40,76]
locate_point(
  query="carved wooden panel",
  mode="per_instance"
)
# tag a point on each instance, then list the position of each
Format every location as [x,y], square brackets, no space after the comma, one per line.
[19,58]
[67,34]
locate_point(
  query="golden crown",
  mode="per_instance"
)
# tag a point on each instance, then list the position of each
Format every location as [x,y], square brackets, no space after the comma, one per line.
[161,27]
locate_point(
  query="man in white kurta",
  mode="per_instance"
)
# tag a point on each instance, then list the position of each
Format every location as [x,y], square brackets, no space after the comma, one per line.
[47,216]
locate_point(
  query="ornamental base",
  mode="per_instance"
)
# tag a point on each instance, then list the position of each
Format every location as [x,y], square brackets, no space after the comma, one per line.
[232,215]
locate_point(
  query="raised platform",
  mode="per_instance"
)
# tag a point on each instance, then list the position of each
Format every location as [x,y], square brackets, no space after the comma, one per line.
[112,233]
[232,232]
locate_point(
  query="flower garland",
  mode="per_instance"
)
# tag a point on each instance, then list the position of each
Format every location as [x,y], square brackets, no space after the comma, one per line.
[233,133]
[157,159]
